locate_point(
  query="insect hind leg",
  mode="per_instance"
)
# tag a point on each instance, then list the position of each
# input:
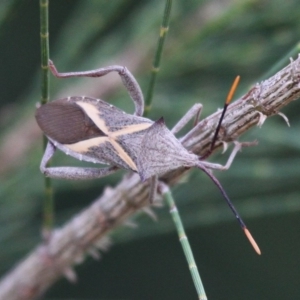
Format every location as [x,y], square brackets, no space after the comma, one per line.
[128,80]
[72,173]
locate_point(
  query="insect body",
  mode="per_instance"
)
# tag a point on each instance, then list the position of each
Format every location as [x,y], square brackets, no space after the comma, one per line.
[84,128]
[92,130]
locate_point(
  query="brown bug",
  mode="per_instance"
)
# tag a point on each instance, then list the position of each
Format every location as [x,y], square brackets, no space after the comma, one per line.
[92,130]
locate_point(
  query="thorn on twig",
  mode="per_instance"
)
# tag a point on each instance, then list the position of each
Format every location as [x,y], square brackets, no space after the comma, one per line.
[284,117]
[148,211]
[70,274]
[94,253]
[103,244]
[262,119]
[130,224]
[225,146]
[79,259]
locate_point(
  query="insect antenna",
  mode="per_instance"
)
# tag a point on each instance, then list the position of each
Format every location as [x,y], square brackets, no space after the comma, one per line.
[215,180]
[231,206]
[228,100]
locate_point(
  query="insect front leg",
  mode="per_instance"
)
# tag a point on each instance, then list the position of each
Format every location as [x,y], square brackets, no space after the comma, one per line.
[194,111]
[128,80]
[73,173]
[153,188]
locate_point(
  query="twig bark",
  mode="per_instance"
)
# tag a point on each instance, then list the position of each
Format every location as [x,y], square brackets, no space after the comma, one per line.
[81,235]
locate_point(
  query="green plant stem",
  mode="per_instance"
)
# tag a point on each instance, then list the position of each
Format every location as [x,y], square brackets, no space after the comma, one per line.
[185,245]
[44,32]
[281,63]
[167,195]
[156,62]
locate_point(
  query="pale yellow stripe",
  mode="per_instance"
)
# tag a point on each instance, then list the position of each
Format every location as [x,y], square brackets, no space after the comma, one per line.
[93,113]
[123,155]
[84,146]
[130,129]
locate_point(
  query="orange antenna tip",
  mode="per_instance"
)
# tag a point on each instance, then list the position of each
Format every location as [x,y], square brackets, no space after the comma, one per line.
[232,90]
[228,99]
[252,241]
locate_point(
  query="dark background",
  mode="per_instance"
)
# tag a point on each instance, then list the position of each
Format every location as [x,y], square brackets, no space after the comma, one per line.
[209,43]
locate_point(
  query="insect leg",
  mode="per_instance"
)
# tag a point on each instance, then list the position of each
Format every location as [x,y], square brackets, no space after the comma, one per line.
[73,173]
[128,80]
[153,188]
[194,111]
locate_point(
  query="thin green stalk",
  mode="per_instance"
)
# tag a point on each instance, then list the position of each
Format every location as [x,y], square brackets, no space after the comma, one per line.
[185,245]
[281,63]
[156,62]
[167,195]
[44,32]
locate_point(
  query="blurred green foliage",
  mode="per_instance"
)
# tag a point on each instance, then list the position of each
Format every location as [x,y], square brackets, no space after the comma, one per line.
[208,44]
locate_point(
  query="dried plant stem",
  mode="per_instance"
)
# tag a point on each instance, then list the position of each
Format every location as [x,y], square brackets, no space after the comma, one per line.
[80,236]
[185,245]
